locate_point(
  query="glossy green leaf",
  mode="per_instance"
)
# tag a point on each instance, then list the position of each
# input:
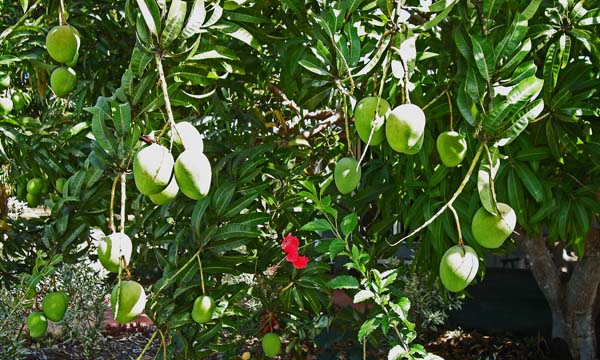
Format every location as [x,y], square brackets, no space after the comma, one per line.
[195,20]
[483,53]
[466,107]
[512,39]
[363,295]
[367,328]
[516,59]
[591,18]
[449,5]
[343,282]
[239,33]
[520,122]
[313,65]
[151,14]
[348,224]
[174,22]
[530,180]
[317,225]
[552,65]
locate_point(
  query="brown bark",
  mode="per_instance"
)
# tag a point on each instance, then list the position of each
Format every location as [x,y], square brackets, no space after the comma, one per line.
[571,298]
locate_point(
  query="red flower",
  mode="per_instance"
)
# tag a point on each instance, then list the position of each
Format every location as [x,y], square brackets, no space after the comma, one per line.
[300,262]
[292,256]
[290,244]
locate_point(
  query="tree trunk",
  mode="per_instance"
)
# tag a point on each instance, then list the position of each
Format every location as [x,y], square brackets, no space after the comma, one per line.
[571,297]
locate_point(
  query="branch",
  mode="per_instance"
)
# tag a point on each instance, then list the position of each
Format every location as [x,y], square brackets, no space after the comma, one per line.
[331,120]
[291,104]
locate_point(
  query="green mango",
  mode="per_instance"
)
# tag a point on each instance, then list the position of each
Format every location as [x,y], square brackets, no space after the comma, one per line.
[152,169]
[193,173]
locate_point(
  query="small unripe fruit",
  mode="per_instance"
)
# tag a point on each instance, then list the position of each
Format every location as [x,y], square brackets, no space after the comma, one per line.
[405,129]
[346,175]
[490,230]
[271,344]
[37,324]
[112,248]
[193,173]
[62,43]
[452,148]
[364,116]
[129,303]
[63,80]
[458,267]
[152,169]
[204,307]
[54,305]
[6,105]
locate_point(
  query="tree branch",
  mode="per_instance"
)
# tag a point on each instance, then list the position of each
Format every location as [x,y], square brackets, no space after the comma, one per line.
[291,104]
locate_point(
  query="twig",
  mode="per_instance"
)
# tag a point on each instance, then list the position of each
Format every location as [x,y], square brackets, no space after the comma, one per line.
[164,344]
[449,203]
[323,125]
[346,125]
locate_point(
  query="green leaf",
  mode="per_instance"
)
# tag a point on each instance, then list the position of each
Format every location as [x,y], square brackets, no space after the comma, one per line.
[525,91]
[343,282]
[591,18]
[516,198]
[483,53]
[335,247]
[441,16]
[475,86]
[362,296]
[229,231]
[374,59]
[24,4]
[198,214]
[368,327]
[349,224]
[530,180]
[513,37]
[483,180]
[174,22]
[531,9]
[552,65]
[313,65]
[516,59]
[222,196]
[521,121]
[466,107]
[491,7]
[139,61]
[317,225]
[122,118]
[462,44]
[239,33]
[522,72]
[101,133]
[195,20]
[151,14]
[564,44]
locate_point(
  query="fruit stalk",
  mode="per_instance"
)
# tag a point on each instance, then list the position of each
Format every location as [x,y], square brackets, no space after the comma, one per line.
[123,201]
[460,239]
[61,13]
[450,107]
[201,274]
[111,212]
[165,90]
[450,202]
[492,189]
